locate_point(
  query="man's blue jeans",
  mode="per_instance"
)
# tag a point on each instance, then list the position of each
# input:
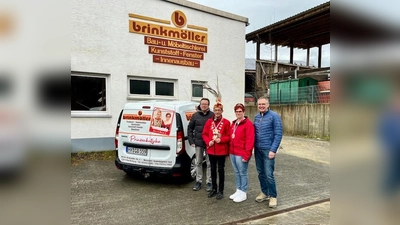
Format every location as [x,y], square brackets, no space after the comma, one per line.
[265,169]
[240,170]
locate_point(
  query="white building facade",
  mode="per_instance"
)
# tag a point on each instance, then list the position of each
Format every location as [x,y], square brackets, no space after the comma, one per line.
[132,50]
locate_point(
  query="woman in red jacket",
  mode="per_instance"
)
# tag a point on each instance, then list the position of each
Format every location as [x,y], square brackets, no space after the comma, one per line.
[241,148]
[216,136]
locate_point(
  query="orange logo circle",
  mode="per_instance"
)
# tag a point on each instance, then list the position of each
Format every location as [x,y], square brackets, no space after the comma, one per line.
[139,113]
[178,18]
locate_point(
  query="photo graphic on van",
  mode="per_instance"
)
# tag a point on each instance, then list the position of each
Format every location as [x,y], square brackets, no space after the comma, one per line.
[161,121]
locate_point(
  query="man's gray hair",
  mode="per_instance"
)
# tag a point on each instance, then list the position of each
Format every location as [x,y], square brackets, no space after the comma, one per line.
[263,97]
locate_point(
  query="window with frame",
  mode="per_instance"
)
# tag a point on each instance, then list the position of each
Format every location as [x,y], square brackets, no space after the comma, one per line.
[139,87]
[164,88]
[150,88]
[88,92]
[197,89]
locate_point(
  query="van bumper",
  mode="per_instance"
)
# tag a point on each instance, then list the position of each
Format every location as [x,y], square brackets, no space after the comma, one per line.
[181,167]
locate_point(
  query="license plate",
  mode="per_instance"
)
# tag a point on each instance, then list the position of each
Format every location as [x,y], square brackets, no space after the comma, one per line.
[136,151]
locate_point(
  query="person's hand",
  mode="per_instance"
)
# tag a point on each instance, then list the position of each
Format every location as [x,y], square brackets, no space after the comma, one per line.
[211,143]
[193,145]
[244,160]
[271,155]
[218,140]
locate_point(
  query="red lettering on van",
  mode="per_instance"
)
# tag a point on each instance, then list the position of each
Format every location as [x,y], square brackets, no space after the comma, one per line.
[141,139]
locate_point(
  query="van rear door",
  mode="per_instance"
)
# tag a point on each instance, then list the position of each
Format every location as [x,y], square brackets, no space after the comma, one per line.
[148,135]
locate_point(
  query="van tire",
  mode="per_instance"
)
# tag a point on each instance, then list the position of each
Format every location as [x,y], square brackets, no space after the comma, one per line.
[191,171]
[129,173]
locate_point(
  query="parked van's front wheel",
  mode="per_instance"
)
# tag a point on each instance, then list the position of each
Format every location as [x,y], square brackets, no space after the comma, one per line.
[192,172]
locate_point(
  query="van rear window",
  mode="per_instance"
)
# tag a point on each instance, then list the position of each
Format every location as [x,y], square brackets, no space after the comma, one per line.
[179,124]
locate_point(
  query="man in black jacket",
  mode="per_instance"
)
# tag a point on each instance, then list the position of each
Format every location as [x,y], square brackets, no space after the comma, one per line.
[195,130]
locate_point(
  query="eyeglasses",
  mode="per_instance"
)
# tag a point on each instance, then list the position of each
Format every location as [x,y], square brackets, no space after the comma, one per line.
[238,111]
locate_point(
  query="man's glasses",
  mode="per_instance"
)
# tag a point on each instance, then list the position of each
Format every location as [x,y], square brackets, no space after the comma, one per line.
[238,111]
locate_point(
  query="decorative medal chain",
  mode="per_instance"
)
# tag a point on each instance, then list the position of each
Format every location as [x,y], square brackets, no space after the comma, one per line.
[234,129]
[215,129]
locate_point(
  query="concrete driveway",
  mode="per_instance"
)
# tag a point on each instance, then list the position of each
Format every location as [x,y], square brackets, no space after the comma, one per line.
[102,194]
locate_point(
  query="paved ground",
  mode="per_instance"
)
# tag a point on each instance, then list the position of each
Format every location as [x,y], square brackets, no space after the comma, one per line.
[101,194]
[315,214]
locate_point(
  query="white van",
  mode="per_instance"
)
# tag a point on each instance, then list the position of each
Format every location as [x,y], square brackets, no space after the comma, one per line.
[151,138]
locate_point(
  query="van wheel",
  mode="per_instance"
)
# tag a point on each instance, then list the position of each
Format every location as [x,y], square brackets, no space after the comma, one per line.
[130,173]
[192,169]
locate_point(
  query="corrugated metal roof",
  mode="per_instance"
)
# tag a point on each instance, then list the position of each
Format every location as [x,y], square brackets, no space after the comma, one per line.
[310,28]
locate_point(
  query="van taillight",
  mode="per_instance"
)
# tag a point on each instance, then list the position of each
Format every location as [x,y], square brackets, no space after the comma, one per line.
[117,133]
[180,143]
[116,137]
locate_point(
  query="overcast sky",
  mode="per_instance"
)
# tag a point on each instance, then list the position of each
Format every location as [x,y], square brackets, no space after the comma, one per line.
[262,13]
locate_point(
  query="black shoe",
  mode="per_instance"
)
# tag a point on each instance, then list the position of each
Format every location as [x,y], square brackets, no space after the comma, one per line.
[209,187]
[220,195]
[197,186]
[212,193]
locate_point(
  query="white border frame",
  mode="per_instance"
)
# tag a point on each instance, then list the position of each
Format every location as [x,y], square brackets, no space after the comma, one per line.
[197,99]
[152,88]
[94,114]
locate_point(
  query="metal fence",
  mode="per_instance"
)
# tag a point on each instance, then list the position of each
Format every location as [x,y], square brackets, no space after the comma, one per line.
[300,95]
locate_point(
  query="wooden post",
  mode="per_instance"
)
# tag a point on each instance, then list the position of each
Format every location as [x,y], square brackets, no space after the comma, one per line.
[258,68]
[319,56]
[291,53]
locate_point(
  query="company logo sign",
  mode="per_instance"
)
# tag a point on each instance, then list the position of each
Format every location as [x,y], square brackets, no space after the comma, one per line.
[182,44]
[138,116]
[178,18]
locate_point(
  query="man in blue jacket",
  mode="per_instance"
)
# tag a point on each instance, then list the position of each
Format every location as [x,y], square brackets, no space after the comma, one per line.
[268,136]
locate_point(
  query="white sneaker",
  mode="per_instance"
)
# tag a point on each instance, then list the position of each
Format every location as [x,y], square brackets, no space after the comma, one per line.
[240,197]
[234,194]
[273,202]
